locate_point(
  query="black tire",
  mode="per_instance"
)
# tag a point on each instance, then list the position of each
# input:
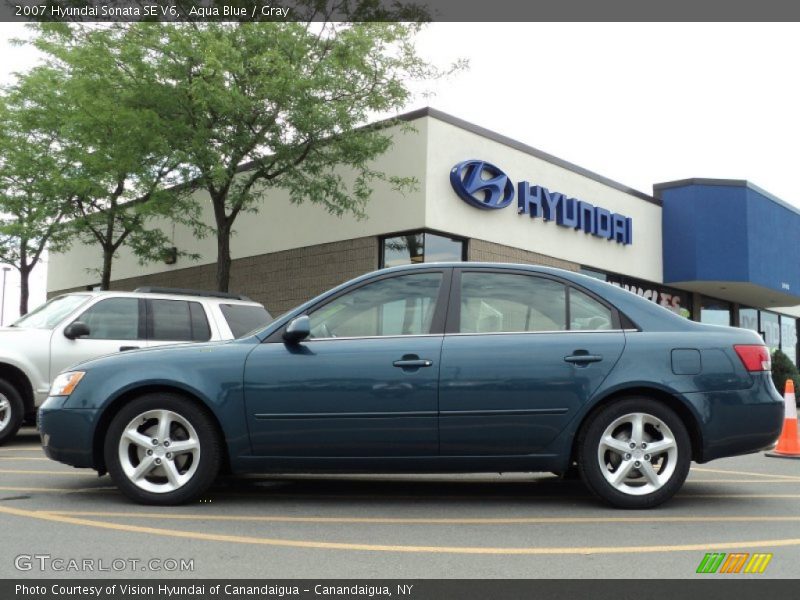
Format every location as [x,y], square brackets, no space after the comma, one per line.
[590,467]
[15,412]
[210,448]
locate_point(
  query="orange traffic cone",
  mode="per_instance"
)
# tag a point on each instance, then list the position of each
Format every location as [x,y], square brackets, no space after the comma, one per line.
[789,442]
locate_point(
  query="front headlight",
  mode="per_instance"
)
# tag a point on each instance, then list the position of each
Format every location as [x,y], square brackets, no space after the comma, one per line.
[65,384]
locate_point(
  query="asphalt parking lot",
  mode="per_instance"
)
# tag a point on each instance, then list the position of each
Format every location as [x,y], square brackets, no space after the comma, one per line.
[487,526]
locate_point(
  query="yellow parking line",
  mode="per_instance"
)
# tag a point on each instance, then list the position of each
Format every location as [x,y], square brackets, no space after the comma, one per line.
[751,473]
[8,488]
[22,449]
[33,472]
[311,544]
[767,496]
[757,481]
[424,521]
[24,458]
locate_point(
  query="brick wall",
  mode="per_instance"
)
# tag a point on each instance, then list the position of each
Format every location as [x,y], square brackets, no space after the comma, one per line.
[280,280]
[483,251]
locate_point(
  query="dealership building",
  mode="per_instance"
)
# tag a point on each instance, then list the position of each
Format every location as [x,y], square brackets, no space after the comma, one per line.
[717,251]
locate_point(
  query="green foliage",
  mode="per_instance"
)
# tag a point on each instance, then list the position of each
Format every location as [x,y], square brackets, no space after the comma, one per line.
[33,201]
[782,369]
[288,100]
[122,168]
[141,115]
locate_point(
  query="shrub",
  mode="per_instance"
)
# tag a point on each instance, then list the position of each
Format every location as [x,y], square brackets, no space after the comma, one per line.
[782,369]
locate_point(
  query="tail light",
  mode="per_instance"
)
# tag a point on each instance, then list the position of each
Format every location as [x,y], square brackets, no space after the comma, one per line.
[754,357]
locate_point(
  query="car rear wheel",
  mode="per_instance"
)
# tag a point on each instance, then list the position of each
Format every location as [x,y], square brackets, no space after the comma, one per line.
[12,411]
[634,453]
[162,449]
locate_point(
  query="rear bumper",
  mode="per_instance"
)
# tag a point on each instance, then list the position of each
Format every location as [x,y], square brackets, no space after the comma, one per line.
[740,421]
[67,433]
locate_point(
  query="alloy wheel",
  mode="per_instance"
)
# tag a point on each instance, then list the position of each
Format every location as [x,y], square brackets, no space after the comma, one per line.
[637,454]
[159,451]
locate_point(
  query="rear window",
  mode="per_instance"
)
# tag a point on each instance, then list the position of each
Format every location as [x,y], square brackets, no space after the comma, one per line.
[243,319]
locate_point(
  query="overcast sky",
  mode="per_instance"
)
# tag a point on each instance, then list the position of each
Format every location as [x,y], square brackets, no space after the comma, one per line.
[638,103]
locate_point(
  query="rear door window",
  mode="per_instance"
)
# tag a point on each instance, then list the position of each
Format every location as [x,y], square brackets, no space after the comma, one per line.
[507,302]
[177,321]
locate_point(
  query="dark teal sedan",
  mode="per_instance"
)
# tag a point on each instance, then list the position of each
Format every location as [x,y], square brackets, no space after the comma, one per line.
[462,367]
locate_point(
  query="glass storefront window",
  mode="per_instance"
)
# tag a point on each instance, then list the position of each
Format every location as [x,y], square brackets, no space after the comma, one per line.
[418,247]
[771,330]
[672,299]
[714,312]
[748,319]
[789,337]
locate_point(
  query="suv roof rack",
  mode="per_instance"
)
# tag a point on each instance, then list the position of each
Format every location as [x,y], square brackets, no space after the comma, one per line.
[186,292]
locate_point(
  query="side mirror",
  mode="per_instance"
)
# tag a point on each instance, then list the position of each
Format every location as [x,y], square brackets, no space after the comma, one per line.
[76,329]
[298,329]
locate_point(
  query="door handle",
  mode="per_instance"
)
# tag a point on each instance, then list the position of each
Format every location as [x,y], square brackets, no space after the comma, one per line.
[412,363]
[583,359]
[124,348]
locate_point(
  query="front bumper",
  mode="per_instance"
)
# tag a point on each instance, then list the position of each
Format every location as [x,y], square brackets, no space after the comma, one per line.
[67,433]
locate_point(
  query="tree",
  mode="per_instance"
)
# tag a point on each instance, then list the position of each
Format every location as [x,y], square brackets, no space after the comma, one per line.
[33,202]
[122,167]
[260,106]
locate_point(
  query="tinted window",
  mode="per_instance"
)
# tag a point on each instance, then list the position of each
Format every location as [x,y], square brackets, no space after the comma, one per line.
[178,321]
[112,319]
[243,319]
[201,332]
[500,302]
[396,306]
[587,314]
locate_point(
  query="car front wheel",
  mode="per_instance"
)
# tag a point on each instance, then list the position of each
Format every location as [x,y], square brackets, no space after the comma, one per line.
[162,449]
[634,453]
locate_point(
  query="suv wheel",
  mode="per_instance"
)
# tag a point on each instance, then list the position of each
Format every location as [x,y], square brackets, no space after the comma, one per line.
[161,449]
[634,453]
[12,411]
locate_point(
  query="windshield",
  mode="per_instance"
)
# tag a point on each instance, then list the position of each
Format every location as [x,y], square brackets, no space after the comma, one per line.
[50,314]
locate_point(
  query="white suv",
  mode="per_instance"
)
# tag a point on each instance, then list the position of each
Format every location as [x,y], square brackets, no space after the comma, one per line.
[79,326]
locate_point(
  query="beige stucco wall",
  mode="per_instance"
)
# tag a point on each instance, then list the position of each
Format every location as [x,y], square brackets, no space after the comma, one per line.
[449,144]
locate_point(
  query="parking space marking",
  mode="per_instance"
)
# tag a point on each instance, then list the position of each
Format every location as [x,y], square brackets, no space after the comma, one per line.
[750,473]
[22,449]
[24,458]
[758,481]
[425,521]
[7,488]
[34,472]
[310,544]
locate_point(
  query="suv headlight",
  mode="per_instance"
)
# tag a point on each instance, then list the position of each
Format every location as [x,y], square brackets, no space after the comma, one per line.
[65,384]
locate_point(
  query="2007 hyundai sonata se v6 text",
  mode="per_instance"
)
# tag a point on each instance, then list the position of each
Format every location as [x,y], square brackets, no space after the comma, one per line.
[463,367]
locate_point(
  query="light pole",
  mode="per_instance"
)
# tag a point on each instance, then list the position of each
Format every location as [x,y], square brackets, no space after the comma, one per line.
[3,299]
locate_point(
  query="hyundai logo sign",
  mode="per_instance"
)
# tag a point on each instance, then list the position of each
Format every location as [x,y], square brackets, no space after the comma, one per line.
[481,184]
[485,186]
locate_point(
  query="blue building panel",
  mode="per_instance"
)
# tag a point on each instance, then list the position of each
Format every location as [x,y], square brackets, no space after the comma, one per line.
[720,230]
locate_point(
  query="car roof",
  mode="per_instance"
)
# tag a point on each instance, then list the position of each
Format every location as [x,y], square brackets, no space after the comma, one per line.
[161,296]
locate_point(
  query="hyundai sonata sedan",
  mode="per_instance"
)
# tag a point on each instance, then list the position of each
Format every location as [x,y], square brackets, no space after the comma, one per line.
[462,367]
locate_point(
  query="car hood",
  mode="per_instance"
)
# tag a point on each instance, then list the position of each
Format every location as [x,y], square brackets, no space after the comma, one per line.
[16,340]
[168,353]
